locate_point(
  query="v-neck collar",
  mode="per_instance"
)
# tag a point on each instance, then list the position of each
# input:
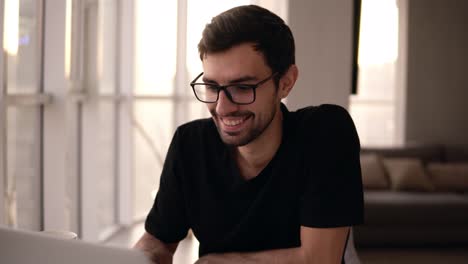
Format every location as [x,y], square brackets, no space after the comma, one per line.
[229,160]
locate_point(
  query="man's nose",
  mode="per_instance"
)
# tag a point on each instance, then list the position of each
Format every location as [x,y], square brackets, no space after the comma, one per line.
[224,105]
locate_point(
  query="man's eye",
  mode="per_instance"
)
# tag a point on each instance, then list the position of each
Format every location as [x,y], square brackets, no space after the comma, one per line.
[211,87]
[243,87]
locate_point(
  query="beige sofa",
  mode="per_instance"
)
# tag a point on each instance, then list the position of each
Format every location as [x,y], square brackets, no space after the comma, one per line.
[414,196]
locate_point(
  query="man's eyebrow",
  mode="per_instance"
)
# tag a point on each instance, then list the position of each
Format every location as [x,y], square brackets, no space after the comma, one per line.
[237,80]
[207,80]
[243,79]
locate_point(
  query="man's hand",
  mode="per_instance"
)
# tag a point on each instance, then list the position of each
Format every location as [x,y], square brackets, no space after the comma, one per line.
[318,245]
[156,250]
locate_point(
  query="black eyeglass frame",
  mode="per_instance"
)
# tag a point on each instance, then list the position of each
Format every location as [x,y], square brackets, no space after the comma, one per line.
[228,94]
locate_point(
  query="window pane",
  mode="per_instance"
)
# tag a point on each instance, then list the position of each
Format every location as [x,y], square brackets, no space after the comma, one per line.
[106,45]
[373,108]
[106,165]
[153,130]
[155,47]
[22,43]
[22,39]
[99,117]
[197,110]
[23,168]
[374,122]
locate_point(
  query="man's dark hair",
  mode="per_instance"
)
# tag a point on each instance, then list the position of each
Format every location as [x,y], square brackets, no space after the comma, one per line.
[267,31]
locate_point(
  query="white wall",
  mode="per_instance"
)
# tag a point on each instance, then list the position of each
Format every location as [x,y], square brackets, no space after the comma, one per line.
[323,31]
[437,86]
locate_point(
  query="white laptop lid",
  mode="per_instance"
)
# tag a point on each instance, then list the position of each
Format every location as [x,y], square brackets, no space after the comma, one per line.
[25,247]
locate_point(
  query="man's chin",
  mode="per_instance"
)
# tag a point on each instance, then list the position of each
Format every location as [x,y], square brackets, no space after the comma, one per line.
[234,139]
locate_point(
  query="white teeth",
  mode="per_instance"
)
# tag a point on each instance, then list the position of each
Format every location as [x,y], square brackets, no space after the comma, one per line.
[232,122]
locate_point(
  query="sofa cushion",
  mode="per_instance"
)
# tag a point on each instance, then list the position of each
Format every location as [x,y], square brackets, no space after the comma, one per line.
[407,174]
[373,173]
[449,176]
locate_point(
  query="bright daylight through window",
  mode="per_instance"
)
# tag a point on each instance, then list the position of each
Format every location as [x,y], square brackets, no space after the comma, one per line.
[374,107]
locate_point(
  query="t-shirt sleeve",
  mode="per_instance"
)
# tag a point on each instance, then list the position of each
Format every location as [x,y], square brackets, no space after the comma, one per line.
[167,219]
[332,194]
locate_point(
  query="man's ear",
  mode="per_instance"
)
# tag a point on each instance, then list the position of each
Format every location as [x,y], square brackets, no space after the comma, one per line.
[288,80]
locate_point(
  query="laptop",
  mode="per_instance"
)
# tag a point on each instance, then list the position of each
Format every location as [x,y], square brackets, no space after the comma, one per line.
[26,247]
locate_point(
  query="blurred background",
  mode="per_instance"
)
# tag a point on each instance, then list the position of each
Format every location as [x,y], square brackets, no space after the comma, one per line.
[94,89]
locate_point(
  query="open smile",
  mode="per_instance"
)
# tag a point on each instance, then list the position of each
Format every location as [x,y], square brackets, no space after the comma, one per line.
[233,124]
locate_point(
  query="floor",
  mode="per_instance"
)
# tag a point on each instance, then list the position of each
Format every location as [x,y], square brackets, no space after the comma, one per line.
[414,256]
[187,251]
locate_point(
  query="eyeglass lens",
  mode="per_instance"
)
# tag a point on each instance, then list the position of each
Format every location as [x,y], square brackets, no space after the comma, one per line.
[238,94]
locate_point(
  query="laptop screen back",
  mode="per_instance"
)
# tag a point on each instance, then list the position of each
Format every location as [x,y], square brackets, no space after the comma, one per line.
[25,247]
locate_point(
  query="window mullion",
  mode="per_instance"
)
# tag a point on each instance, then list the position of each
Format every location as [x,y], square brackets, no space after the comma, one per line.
[181,78]
[54,140]
[3,150]
[125,40]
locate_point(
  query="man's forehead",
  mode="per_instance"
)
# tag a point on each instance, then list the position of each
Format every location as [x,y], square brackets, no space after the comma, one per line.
[225,74]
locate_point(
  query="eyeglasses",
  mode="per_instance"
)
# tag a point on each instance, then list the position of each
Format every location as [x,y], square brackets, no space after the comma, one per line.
[241,94]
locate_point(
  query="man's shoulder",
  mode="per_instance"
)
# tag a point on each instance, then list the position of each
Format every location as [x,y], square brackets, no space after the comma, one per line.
[324,124]
[319,124]
[323,112]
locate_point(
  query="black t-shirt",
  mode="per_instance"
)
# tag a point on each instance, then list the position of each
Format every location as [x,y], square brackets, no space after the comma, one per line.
[313,180]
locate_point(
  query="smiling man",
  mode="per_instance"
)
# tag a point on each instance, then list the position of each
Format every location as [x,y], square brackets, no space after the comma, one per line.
[256,183]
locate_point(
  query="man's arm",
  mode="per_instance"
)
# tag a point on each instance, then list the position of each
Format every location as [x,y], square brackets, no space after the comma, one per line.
[157,251]
[318,245]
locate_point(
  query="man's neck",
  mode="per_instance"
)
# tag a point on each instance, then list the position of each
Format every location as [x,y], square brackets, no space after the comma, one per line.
[255,156]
